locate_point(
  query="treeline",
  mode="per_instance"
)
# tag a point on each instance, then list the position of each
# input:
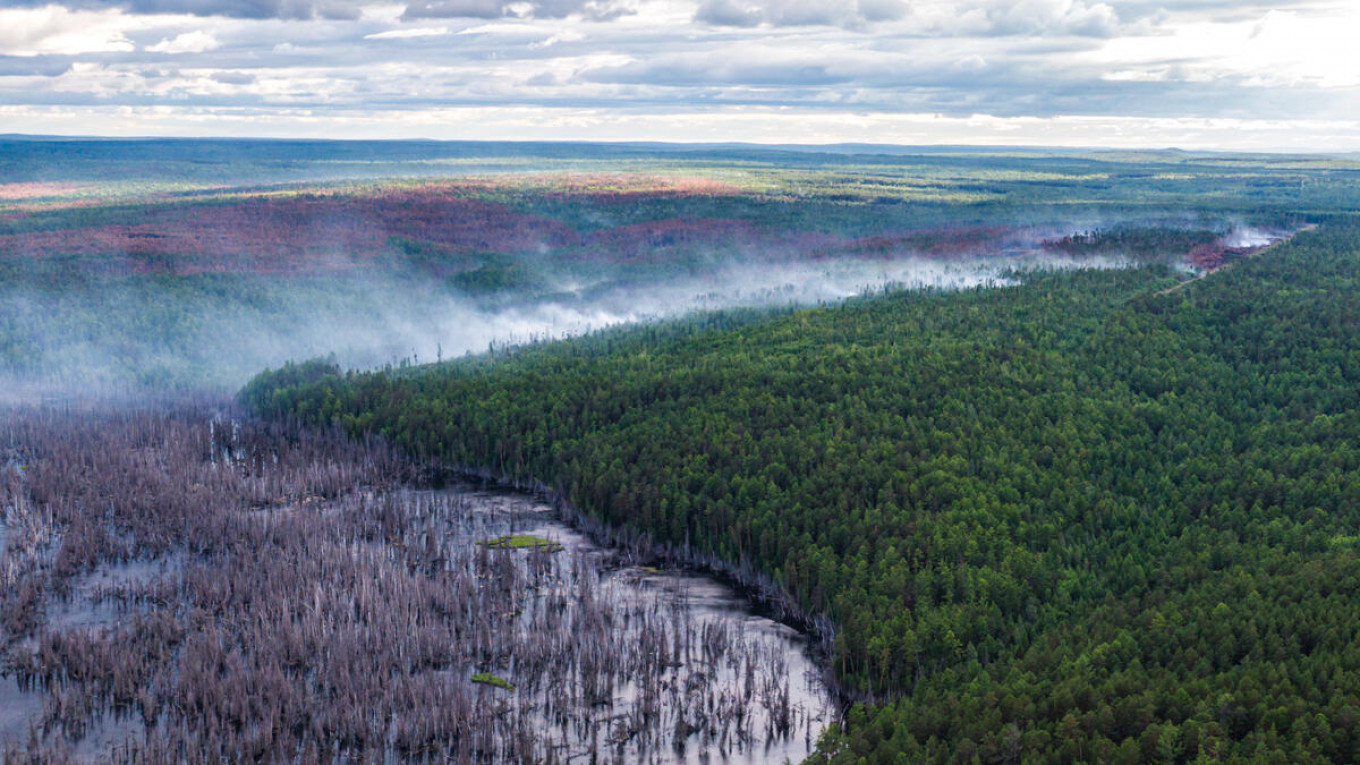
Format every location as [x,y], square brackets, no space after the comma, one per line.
[1145,243]
[1069,520]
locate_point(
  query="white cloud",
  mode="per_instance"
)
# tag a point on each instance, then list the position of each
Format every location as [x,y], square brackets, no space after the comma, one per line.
[87,77]
[971,63]
[1088,18]
[1156,74]
[55,30]
[595,10]
[389,13]
[507,31]
[1109,59]
[568,36]
[406,34]
[1277,49]
[843,13]
[197,41]
[758,125]
[1016,18]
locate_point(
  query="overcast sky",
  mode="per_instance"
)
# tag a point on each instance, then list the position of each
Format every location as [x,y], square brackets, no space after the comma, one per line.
[1207,74]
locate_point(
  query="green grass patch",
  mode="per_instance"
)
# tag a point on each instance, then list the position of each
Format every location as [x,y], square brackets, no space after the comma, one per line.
[489,679]
[520,541]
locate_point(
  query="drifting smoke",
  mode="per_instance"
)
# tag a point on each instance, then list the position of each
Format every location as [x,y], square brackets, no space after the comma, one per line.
[1246,237]
[734,286]
[138,339]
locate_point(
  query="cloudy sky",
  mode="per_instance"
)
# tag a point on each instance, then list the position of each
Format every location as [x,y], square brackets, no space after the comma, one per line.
[1206,74]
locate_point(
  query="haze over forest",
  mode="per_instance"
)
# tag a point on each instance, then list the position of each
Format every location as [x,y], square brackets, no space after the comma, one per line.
[937,411]
[179,282]
[680,381]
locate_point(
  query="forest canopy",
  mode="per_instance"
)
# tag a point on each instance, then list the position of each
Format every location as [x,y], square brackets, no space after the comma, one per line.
[1079,518]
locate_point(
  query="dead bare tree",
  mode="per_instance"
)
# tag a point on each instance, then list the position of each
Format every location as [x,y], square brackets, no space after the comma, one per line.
[189,585]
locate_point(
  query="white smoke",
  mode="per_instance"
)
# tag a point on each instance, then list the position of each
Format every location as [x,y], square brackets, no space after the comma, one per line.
[225,339]
[1244,237]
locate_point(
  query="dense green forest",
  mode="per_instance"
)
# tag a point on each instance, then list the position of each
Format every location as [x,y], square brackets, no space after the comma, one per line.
[1075,519]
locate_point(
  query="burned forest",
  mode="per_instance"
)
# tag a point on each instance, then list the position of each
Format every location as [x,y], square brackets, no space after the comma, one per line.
[235,590]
